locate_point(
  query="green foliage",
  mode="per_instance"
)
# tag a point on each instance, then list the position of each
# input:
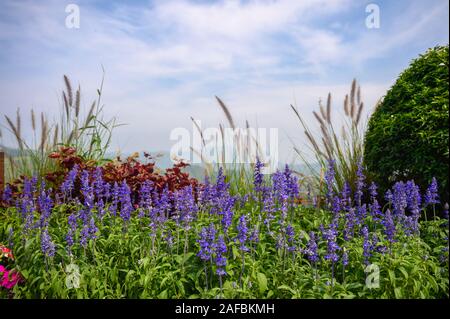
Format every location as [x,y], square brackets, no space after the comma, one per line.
[408,134]
[134,264]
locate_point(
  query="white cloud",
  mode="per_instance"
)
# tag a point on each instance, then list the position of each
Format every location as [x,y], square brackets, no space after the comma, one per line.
[166,60]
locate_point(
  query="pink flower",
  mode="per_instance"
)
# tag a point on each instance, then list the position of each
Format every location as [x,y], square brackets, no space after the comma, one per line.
[8,279]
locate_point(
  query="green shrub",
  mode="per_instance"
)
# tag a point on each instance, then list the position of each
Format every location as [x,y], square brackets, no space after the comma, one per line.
[407,135]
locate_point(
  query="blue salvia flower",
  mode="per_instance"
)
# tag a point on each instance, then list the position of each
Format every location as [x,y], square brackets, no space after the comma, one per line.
[413,198]
[125,202]
[29,187]
[258,178]
[87,190]
[350,221]
[164,204]
[330,235]
[346,196]
[27,209]
[389,226]
[345,258]
[376,244]
[413,201]
[336,208]
[47,245]
[186,206]
[254,237]
[206,242]
[219,194]
[374,207]
[373,191]
[98,183]
[290,238]
[445,213]
[311,249]
[145,198]
[7,194]
[221,260]
[375,210]
[107,190]
[399,200]
[101,209]
[242,233]
[84,215]
[242,199]
[227,218]
[360,178]
[45,203]
[279,242]
[389,197]
[221,187]
[115,199]
[34,184]
[366,244]
[168,237]
[269,203]
[361,213]
[92,229]
[329,181]
[280,190]
[291,183]
[432,195]
[69,183]
[204,192]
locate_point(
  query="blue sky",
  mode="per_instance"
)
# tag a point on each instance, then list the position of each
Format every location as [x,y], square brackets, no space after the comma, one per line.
[165,60]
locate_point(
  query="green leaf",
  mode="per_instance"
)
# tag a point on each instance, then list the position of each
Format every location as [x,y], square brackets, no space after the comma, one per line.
[284,287]
[163,294]
[391,277]
[398,293]
[404,272]
[262,282]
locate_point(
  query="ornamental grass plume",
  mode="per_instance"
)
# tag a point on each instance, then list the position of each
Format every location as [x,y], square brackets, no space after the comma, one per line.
[345,148]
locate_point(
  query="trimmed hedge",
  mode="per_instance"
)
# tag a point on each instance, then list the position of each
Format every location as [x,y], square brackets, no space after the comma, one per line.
[408,134]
